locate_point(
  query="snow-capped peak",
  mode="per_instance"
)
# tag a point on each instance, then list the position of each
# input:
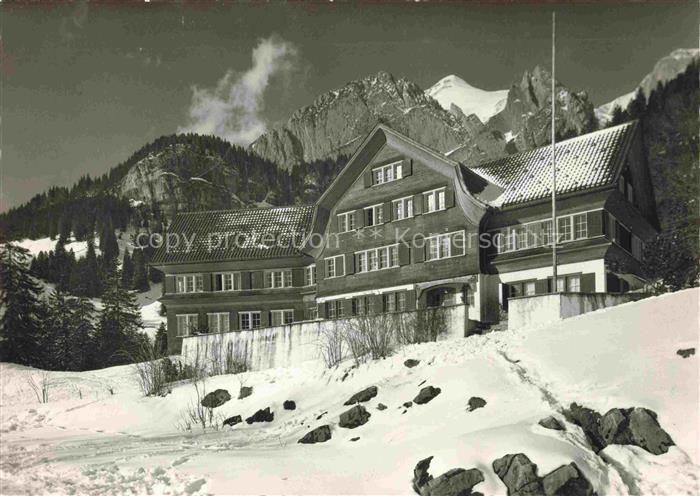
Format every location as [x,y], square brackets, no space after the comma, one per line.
[453,90]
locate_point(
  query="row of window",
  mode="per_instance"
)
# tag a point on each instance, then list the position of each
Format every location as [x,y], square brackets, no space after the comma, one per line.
[387,173]
[188,323]
[539,233]
[570,283]
[437,247]
[401,208]
[233,281]
[364,305]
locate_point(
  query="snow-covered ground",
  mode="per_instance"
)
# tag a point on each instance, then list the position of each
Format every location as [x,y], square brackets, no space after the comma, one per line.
[453,90]
[35,246]
[115,441]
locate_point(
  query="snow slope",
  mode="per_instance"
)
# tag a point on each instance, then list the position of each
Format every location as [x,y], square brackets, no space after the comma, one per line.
[624,356]
[452,90]
[34,246]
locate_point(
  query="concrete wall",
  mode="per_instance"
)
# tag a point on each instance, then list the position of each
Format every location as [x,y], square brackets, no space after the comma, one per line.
[283,346]
[535,311]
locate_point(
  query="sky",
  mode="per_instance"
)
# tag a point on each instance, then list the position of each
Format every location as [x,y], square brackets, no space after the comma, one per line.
[84,85]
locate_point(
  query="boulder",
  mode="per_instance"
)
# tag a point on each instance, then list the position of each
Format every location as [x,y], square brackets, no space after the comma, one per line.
[551,422]
[362,396]
[519,475]
[408,404]
[354,417]
[353,439]
[318,435]
[426,394]
[685,353]
[589,421]
[455,482]
[635,426]
[236,419]
[261,416]
[475,402]
[411,362]
[567,480]
[215,398]
[289,405]
[381,406]
[421,477]
[245,392]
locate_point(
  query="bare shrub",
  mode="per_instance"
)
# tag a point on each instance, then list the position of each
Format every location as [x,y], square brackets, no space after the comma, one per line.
[150,370]
[40,384]
[332,344]
[421,326]
[225,358]
[197,414]
[370,336]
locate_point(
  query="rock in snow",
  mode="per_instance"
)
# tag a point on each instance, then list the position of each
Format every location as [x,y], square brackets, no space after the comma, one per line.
[381,406]
[475,402]
[551,422]
[354,417]
[519,475]
[318,435]
[411,362]
[215,398]
[420,474]
[290,405]
[261,416]
[454,482]
[245,392]
[426,394]
[362,396]
[566,481]
[685,353]
[236,419]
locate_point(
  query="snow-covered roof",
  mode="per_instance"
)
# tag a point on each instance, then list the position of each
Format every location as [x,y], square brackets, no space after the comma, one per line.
[223,235]
[584,162]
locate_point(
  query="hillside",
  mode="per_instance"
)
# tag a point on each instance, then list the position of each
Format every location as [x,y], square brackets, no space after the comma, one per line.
[612,358]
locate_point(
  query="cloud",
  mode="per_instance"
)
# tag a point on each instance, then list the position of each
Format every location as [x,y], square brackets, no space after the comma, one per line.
[232,109]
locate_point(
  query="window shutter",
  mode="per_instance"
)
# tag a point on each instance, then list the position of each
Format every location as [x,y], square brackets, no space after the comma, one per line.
[322,311]
[541,286]
[349,263]
[418,204]
[419,254]
[256,279]
[169,284]
[368,178]
[298,276]
[233,320]
[365,216]
[386,215]
[378,303]
[410,300]
[449,198]
[347,307]
[246,280]
[202,320]
[264,318]
[588,283]
[595,223]
[407,167]
[320,269]
[359,217]
[404,254]
[207,281]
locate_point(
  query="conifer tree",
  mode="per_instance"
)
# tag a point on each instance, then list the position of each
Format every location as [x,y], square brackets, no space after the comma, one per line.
[140,277]
[108,242]
[118,334]
[93,273]
[161,341]
[23,311]
[127,270]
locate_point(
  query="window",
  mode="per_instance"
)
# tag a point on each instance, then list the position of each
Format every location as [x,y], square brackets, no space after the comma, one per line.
[390,302]
[630,193]
[445,246]
[190,283]
[434,200]
[561,284]
[402,208]
[312,312]
[227,281]
[186,324]
[218,322]
[335,266]
[510,240]
[546,227]
[387,173]
[637,247]
[402,302]
[278,278]
[385,257]
[374,215]
[346,222]
[521,237]
[334,309]
[249,320]
[573,284]
[310,275]
[580,226]
[359,305]
[281,317]
[530,288]
[564,229]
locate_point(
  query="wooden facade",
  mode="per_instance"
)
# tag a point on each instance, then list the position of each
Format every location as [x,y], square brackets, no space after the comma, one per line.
[403,226]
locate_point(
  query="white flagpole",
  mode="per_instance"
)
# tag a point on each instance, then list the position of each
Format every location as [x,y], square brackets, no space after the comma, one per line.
[554,164]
